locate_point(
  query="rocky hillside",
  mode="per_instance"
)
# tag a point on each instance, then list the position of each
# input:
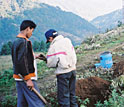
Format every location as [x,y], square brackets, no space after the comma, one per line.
[10,8]
[108,21]
[13,12]
[91,48]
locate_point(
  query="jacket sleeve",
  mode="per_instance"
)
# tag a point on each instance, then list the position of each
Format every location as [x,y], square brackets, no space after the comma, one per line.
[57,57]
[68,59]
[63,63]
[22,60]
[74,57]
[52,59]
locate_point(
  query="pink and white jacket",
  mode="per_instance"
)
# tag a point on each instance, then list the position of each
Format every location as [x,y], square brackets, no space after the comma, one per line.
[61,55]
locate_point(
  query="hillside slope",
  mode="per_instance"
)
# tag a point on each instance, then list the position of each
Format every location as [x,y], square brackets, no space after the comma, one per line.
[108,21]
[14,12]
[89,51]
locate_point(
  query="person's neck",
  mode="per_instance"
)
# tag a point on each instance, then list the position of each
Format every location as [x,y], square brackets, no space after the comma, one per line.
[23,33]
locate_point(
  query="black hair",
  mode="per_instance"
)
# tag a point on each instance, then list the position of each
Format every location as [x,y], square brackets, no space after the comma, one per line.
[27,23]
[55,36]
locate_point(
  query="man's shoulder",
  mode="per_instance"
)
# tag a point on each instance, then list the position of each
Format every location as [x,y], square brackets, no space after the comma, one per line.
[18,41]
[63,39]
[67,39]
[62,42]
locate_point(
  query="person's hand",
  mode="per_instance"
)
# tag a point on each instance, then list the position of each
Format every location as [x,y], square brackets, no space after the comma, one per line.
[41,57]
[30,84]
[37,57]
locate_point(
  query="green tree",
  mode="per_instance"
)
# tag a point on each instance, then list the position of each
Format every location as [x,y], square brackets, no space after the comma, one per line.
[47,46]
[36,46]
[42,46]
[107,30]
[119,23]
[10,47]
[5,50]
[10,44]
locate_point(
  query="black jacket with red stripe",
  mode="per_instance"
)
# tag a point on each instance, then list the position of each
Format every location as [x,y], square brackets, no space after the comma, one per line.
[23,59]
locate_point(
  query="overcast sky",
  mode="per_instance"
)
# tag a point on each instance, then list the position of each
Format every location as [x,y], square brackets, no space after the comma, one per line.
[87,9]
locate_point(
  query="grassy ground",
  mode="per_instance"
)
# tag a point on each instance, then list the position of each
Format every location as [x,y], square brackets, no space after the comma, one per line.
[5,62]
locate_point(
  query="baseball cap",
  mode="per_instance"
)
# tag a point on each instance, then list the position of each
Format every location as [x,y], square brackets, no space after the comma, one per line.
[50,33]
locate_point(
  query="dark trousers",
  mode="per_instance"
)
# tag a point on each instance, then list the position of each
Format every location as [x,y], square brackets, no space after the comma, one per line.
[66,89]
[26,97]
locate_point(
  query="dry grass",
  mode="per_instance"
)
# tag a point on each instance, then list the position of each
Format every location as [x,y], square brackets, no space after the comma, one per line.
[5,62]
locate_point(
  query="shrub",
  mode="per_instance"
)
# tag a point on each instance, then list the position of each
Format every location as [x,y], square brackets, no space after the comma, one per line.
[6,78]
[116,100]
[9,101]
[7,84]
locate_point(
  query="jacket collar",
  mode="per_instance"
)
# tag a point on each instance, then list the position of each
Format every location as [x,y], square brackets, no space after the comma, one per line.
[59,37]
[22,36]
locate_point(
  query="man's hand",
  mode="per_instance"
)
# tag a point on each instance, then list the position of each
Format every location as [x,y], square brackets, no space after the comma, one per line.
[30,84]
[41,57]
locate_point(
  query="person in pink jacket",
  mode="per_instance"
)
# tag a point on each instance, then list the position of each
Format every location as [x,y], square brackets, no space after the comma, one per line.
[61,55]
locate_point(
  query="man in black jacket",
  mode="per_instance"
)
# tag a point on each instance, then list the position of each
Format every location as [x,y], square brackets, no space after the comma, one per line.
[23,63]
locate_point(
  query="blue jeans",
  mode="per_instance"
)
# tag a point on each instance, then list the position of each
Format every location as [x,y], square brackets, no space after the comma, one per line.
[26,97]
[66,89]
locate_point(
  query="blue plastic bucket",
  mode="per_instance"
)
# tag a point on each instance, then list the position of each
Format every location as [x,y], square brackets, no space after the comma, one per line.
[97,65]
[106,60]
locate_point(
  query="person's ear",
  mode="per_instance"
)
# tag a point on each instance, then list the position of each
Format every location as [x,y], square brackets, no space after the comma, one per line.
[50,39]
[27,29]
